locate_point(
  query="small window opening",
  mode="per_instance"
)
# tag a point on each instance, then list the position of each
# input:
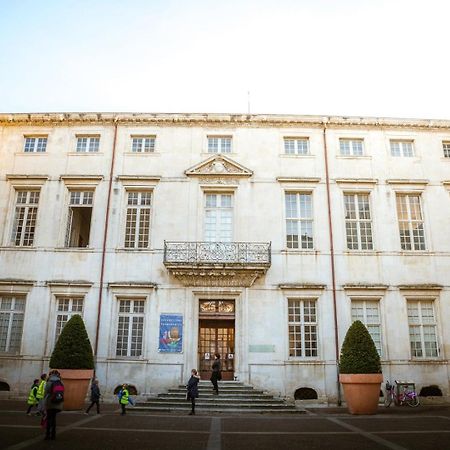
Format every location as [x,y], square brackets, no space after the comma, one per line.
[305,394]
[4,386]
[131,389]
[79,219]
[430,391]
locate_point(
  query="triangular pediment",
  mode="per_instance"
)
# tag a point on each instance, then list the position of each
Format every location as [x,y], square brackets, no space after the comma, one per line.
[219,165]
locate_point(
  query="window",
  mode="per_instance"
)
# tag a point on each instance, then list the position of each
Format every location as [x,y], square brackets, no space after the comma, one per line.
[358,222]
[11,323]
[88,144]
[422,329]
[130,328]
[296,146]
[446,148]
[143,144]
[219,144]
[402,148]
[299,220]
[368,312]
[137,228]
[25,218]
[351,147]
[218,217]
[35,144]
[79,218]
[65,309]
[302,327]
[410,222]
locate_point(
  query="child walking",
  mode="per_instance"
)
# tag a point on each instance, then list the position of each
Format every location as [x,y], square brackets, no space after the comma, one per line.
[32,396]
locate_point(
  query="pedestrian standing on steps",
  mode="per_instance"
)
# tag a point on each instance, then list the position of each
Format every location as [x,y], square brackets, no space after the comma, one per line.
[216,373]
[95,397]
[192,389]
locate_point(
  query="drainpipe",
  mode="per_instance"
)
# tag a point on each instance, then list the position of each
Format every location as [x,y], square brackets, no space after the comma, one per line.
[333,274]
[105,236]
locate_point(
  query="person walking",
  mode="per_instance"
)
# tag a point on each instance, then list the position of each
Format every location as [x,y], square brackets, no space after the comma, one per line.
[216,373]
[192,389]
[32,396]
[54,402]
[95,397]
[40,395]
[124,399]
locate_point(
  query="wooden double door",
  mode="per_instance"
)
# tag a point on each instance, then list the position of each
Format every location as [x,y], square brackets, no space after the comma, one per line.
[216,335]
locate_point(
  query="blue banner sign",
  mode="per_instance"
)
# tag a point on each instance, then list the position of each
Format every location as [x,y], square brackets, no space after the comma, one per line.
[171,333]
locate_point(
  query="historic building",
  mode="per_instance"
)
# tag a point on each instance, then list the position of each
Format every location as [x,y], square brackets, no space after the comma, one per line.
[261,237]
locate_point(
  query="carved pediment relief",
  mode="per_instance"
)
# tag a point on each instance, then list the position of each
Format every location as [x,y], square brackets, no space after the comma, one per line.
[219,166]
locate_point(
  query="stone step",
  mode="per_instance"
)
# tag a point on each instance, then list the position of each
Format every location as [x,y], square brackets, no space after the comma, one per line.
[223,394]
[214,399]
[202,411]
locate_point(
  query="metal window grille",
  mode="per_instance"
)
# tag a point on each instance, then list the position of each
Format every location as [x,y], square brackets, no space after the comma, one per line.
[89,144]
[299,220]
[24,223]
[219,144]
[446,149]
[402,148]
[296,146]
[368,312]
[137,227]
[11,323]
[130,328]
[351,147]
[143,144]
[302,324]
[422,329]
[358,222]
[65,309]
[35,144]
[218,220]
[410,221]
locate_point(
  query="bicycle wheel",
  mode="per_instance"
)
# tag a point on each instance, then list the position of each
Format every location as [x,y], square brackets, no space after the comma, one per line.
[387,399]
[412,400]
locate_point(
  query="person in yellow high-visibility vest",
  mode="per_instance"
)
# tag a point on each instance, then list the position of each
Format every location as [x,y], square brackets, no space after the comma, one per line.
[32,396]
[124,398]
[40,394]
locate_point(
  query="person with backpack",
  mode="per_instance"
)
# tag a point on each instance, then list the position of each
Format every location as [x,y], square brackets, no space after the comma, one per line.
[124,398]
[40,395]
[95,397]
[54,402]
[32,396]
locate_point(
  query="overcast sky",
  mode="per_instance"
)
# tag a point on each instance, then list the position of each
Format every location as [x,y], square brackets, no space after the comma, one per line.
[347,57]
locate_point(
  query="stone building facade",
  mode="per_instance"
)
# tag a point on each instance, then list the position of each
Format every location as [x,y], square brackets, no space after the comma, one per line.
[261,237]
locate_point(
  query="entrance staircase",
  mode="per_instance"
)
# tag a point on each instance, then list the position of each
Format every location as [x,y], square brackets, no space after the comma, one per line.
[234,397]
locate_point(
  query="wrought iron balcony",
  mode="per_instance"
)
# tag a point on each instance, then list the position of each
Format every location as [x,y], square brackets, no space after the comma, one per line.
[217,263]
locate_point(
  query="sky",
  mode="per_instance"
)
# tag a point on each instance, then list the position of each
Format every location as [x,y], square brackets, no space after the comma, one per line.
[381,58]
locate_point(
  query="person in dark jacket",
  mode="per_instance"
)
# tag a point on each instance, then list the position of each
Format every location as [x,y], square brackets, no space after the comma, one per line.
[216,373]
[95,397]
[192,389]
[52,407]
[32,396]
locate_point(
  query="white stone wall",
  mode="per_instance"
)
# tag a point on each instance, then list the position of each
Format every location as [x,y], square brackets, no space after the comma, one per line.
[261,310]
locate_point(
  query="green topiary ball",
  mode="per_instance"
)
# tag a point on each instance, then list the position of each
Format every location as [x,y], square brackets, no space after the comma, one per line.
[358,352]
[73,349]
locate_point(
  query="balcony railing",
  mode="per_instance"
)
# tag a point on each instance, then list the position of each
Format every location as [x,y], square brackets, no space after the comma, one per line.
[211,253]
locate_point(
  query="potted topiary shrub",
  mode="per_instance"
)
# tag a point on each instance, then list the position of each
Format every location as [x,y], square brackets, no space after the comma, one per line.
[74,360]
[360,370]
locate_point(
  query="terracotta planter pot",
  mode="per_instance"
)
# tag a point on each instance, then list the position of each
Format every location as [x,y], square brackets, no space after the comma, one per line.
[362,392]
[76,383]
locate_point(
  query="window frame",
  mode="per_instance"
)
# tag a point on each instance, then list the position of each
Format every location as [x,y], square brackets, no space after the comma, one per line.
[365,302]
[206,208]
[150,207]
[220,145]
[88,148]
[11,312]
[402,143]
[446,148]
[37,139]
[296,140]
[352,145]
[69,214]
[129,339]
[143,138]
[70,312]
[302,324]
[358,220]
[409,221]
[299,220]
[28,208]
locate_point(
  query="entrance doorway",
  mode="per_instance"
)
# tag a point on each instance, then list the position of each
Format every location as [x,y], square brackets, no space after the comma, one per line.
[216,335]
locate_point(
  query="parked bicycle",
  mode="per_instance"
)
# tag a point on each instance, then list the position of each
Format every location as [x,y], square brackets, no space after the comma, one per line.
[401,394]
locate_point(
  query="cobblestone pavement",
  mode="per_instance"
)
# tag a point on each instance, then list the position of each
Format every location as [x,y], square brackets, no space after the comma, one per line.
[397,428]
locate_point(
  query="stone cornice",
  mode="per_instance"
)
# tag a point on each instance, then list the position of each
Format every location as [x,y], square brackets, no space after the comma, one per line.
[205,119]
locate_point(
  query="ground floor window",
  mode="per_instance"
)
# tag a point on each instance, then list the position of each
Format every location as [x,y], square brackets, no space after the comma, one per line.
[130,327]
[11,323]
[66,308]
[422,329]
[368,312]
[302,319]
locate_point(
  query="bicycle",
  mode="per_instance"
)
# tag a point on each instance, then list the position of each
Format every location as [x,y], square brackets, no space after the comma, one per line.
[406,396]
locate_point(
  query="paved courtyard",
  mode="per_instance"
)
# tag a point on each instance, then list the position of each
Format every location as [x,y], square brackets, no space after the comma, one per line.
[427,427]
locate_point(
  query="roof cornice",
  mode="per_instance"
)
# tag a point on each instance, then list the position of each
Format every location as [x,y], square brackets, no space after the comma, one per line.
[215,119]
